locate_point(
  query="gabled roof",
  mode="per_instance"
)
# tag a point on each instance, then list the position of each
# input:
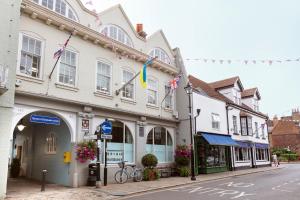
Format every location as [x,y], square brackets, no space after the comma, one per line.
[160,32]
[250,93]
[210,91]
[118,6]
[227,83]
[284,127]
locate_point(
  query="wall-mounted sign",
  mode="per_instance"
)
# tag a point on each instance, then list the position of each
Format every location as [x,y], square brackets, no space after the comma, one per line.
[114,156]
[85,125]
[45,120]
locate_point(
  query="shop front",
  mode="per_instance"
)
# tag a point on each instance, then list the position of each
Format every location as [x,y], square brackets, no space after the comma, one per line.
[213,152]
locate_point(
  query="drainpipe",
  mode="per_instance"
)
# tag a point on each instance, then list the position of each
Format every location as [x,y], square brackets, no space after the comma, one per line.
[269,142]
[231,148]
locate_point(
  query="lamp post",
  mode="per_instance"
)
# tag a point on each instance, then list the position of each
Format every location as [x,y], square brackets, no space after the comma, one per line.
[189,91]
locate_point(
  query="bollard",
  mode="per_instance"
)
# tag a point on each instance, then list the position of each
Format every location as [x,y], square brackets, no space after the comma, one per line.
[44,172]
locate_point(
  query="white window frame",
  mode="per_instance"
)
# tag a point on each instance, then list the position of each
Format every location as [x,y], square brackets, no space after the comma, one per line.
[171,95]
[166,59]
[119,31]
[215,121]
[51,146]
[68,7]
[109,91]
[153,89]
[234,124]
[244,151]
[20,54]
[76,70]
[132,82]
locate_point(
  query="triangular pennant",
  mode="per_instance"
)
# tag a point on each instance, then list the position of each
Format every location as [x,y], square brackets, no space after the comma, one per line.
[221,61]
[213,60]
[270,62]
[254,61]
[205,60]
[229,61]
[246,62]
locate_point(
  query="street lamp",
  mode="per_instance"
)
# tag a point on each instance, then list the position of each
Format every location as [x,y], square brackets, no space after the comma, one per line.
[189,91]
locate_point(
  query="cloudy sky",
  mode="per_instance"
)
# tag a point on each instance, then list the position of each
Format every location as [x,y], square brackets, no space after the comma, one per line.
[230,30]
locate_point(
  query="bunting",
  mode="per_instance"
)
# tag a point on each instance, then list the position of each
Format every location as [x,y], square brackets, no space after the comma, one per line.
[242,61]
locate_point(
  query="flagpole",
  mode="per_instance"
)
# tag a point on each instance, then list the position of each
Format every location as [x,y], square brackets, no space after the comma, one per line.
[60,54]
[118,90]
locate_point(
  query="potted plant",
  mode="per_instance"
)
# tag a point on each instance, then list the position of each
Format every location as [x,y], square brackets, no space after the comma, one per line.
[15,168]
[149,162]
[182,160]
[86,150]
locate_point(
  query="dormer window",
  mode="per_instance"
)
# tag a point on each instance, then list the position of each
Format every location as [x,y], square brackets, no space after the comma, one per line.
[59,6]
[161,55]
[117,33]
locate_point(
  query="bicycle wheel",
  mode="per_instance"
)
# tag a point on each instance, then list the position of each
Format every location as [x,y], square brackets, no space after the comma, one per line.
[121,176]
[138,175]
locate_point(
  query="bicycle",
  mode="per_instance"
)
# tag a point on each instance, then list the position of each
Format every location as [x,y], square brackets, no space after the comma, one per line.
[122,175]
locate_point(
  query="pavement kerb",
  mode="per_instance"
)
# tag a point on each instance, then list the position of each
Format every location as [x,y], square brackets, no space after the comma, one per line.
[189,183]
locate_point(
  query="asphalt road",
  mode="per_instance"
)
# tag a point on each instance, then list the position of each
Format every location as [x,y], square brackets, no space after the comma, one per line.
[281,184]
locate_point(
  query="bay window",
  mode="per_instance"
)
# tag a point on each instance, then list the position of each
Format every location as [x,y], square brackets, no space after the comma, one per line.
[242,154]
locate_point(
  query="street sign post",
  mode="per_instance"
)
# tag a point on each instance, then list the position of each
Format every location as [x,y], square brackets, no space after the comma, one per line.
[106,129]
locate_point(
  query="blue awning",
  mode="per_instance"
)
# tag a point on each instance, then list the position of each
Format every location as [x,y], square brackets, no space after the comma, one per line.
[244,144]
[218,139]
[261,146]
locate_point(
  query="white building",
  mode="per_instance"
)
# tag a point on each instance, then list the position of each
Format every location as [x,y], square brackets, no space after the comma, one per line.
[221,141]
[99,59]
[9,19]
[246,124]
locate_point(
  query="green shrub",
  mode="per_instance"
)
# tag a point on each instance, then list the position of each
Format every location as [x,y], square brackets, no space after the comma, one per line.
[288,157]
[182,161]
[150,174]
[15,168]
[184,171]
[149,161]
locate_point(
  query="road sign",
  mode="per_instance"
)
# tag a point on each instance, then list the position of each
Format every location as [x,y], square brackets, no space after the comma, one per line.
[108,137]
[44,119]
[106,128]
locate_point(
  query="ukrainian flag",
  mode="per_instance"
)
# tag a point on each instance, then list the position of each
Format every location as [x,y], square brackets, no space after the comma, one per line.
[143,76]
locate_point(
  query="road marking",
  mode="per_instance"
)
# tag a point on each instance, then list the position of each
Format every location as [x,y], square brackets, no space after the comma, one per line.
[243,194]
[232,184]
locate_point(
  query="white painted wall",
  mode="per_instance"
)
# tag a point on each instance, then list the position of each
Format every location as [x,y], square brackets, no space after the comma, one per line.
[208,106]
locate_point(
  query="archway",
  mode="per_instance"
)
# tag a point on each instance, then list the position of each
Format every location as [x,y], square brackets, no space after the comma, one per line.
[41,144]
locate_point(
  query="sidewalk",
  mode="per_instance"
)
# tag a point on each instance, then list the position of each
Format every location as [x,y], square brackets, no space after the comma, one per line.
[24,189]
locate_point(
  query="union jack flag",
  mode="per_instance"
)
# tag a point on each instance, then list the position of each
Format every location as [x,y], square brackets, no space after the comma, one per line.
[174,82]
[58,53]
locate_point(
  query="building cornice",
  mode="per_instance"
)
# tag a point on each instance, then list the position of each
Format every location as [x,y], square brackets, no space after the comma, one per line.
[50,17]
[122,111]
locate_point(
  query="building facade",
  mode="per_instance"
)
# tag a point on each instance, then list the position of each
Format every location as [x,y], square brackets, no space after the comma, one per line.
[285,132]
[83,90]
[9,18]
[230,133]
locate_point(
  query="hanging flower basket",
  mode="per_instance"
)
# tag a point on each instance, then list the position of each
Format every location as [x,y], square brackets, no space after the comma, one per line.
[86,151]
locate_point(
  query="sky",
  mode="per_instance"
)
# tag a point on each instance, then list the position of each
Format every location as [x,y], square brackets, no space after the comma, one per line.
[231,29]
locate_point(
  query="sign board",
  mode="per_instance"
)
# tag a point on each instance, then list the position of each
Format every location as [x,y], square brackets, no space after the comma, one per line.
[106,127]
[90,137]
[45,120]
[114,156]
[85,125]
[108,137]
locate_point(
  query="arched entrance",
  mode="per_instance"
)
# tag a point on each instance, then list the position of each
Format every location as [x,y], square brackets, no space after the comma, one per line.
[40,140]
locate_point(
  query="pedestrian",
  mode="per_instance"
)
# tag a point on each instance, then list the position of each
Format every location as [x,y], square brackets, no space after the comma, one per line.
[275,160]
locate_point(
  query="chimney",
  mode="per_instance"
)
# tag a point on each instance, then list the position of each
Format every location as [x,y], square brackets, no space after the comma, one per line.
[296,114]
[140,31]
[275,120]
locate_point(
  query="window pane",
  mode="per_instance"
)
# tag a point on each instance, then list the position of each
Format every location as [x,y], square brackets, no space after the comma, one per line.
[169,148]
[128,145]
